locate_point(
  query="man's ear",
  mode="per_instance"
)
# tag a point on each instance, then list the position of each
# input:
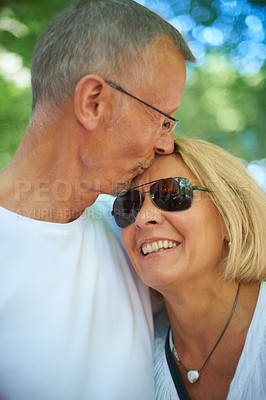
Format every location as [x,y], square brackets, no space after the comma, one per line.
[89,100]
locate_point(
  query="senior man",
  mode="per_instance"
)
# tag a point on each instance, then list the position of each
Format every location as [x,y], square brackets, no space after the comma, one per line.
[76,324]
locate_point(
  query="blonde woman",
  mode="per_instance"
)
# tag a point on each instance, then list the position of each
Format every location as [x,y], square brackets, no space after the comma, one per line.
[194,228]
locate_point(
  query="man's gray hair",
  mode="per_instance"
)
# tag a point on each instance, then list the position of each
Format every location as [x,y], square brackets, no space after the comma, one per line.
[105,37]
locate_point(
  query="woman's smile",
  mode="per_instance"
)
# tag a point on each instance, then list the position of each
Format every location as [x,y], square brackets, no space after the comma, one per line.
[158,246]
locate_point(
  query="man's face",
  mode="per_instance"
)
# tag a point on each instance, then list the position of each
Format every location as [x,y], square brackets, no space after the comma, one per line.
[139,132]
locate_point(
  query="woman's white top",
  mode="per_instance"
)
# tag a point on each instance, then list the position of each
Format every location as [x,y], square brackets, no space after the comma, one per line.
[249,382]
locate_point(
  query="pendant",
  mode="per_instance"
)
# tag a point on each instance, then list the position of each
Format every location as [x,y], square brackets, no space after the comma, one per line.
[193,376]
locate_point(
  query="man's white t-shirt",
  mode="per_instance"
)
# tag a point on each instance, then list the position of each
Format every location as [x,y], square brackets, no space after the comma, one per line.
[75,322]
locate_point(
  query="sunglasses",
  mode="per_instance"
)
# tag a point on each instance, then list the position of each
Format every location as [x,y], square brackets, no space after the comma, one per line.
[170,194]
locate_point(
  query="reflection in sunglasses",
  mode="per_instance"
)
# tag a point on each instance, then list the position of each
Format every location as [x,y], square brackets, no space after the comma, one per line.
[170,194]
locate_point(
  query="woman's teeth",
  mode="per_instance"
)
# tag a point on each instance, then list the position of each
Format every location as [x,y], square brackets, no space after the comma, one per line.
[160,245]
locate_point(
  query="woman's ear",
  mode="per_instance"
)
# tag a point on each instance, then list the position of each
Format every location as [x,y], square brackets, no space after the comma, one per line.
[89,101]
[226,235]
[226,238]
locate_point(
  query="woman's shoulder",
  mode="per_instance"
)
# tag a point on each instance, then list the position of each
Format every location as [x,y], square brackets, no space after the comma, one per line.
[161,322]
[263,290]
[250,377]
[259,318]
[161,326]
[164,386]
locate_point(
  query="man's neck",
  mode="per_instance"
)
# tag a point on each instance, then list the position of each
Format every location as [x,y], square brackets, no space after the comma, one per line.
[45,180]
[51,200]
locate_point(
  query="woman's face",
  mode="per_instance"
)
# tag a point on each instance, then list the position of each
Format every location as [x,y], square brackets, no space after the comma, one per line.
[194,237]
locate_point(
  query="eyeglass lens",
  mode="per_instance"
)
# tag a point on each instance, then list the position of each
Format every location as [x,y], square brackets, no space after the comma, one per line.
[171,194]
[169,126]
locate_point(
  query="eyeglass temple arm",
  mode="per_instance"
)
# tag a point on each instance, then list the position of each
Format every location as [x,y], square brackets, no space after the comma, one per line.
[201,188]
[144,184]
[113,85]
[193,187]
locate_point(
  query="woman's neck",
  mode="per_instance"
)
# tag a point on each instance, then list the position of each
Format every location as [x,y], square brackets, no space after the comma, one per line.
[198,316]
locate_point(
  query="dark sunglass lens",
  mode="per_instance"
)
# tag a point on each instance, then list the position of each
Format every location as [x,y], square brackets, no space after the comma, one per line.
[126,208]
[172,194]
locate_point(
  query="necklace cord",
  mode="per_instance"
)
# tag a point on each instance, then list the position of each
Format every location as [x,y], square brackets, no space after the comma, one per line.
[216,344]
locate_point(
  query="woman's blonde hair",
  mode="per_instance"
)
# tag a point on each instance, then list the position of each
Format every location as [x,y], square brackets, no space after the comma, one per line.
[239,201]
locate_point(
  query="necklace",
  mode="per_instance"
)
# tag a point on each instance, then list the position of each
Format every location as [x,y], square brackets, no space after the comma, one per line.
[193,374]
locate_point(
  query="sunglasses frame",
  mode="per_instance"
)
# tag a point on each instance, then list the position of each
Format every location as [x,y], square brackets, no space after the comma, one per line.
[176,179]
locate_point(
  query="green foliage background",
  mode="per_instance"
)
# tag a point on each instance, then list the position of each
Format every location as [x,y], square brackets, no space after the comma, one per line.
[219,104]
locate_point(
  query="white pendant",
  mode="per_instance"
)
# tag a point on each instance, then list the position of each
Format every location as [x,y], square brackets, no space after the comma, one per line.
[193,376]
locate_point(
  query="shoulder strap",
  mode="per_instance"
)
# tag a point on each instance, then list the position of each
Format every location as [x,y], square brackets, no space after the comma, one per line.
[179,385]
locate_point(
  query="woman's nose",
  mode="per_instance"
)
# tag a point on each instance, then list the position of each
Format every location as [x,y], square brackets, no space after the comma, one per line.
[149,214]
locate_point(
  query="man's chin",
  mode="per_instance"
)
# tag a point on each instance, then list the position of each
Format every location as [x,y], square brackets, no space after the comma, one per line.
[121,188]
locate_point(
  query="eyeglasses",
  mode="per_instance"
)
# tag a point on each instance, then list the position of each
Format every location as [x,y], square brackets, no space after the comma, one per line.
[168,126]
[170,194]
